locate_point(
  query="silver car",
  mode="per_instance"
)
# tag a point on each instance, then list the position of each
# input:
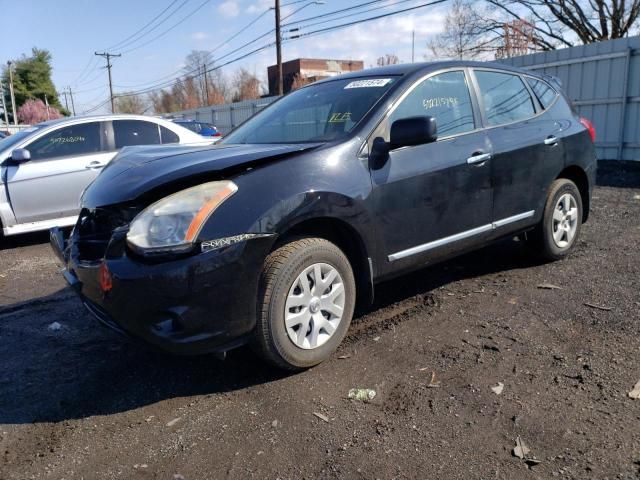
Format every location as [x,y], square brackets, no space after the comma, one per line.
[45,168]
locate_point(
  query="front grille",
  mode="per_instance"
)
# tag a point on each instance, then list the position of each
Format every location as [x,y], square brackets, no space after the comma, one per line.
[95,228]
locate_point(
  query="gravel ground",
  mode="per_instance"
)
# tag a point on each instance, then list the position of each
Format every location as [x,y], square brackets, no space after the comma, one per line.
[81,402]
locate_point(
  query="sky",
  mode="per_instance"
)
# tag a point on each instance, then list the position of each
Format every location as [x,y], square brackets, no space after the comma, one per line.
[74,29]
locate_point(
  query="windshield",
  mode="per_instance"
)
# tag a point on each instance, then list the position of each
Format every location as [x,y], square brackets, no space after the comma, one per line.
[9,142]
[322,112]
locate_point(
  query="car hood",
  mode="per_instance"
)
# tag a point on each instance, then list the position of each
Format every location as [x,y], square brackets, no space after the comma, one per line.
[138,170]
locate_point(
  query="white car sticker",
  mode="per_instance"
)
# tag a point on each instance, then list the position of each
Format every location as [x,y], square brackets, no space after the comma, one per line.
[376,82]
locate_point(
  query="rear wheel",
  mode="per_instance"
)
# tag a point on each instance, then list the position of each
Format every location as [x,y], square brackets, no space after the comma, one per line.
[556,236]
[306,302]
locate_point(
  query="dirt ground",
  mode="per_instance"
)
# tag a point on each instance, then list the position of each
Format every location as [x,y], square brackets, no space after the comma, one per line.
[80,402]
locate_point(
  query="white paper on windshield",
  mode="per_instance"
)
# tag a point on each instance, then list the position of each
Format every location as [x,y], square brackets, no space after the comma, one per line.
[374,82]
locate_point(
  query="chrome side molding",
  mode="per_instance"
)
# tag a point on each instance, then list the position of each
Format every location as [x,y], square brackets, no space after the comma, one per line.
[459,236]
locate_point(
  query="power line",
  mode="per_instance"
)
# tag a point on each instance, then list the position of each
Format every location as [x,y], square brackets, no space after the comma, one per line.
[330,14]
[173,82]
[293,3]
[86,71]
[349,15]
[93,109]
[211,52]
[364,20]
[292,38]
[213,69]
[119,44]
[242,30]
[161,80]
[189,15]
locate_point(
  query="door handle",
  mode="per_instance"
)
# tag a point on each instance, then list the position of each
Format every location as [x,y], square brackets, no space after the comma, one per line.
[479,158]
[551,140]
[94,164]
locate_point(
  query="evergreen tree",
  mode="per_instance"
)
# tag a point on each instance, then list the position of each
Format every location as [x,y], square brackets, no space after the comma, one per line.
[32,79]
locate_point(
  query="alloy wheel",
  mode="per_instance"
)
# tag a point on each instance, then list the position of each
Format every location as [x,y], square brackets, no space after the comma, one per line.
[565,220]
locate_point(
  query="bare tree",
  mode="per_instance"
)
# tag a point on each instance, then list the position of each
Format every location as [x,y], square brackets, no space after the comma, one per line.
[190,93]
[218,89]
[565,23]
[130,103]
[465,33]
[247,86]
[195,66]
[388,59]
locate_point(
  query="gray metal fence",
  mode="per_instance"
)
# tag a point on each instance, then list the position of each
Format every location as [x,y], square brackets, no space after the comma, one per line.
[226,117]
[603,81]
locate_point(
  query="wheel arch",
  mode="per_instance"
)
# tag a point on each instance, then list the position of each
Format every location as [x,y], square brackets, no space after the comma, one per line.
[578,176]
[345,237]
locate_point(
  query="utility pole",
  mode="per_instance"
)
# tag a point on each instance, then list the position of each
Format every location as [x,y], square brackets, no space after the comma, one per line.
[73,106]
[46,102]
[413,45]
[109,56]
[66,104]
[11,92]
[279,49]
[4,105]
[206,83]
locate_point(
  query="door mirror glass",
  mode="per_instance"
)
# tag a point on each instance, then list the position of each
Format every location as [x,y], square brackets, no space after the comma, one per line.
[413,131]
[20,155]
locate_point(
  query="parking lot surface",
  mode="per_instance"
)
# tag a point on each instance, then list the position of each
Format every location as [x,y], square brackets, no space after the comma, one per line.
[78,401]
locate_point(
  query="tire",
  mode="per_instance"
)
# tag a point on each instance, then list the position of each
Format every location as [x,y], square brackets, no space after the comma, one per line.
[562,212]
[289,294]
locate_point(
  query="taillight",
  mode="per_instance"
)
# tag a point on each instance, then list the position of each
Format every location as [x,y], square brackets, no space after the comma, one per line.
[590,128]
[217,134]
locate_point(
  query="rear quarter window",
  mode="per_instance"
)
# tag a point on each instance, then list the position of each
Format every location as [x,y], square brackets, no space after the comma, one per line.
[543,91]
[168,136]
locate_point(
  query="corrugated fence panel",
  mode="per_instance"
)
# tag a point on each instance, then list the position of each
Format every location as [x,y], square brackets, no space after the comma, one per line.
[603,81]
[226,117]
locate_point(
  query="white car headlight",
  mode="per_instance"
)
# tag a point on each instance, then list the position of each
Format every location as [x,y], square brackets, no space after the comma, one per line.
[173,223]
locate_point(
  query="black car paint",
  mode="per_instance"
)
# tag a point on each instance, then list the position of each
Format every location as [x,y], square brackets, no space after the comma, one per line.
[206,301]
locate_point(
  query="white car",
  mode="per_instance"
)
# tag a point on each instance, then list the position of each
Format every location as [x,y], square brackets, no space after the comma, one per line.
[45,168]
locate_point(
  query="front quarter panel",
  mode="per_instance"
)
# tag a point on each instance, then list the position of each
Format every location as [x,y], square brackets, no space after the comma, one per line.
[328,182]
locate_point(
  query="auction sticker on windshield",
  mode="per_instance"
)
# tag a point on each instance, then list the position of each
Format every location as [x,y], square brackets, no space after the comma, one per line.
[375,82]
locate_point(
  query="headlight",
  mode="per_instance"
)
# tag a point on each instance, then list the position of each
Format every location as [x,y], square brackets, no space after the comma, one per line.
[173,223]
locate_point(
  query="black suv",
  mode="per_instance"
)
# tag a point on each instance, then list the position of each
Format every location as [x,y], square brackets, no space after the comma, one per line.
[272,236]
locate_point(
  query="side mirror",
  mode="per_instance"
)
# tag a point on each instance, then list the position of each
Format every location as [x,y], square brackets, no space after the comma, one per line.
[20,155]
[413,131]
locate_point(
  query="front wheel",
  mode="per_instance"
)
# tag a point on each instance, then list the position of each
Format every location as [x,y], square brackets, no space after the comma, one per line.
[556,236]
[305,305]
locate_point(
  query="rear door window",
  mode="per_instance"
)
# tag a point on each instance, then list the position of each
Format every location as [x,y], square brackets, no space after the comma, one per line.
[135,132]
[505,97]
[543,91]
[446,98]
[69,141]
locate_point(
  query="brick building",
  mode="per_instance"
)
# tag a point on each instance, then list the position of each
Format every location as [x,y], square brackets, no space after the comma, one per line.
[312,69]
